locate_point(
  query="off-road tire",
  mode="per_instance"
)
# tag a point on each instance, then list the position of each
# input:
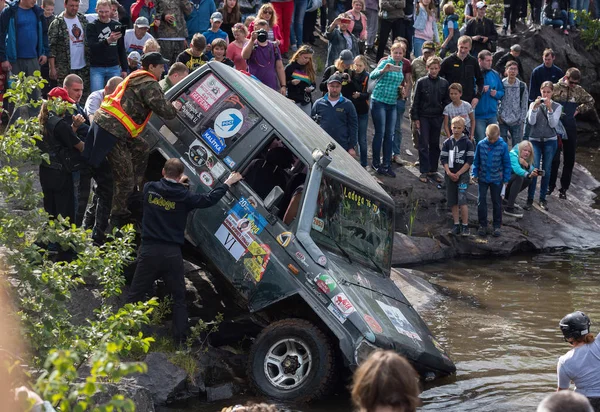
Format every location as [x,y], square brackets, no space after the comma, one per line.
[320,378]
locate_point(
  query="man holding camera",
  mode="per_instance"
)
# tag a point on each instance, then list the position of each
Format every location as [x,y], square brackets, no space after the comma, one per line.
[264,58]
[105,39]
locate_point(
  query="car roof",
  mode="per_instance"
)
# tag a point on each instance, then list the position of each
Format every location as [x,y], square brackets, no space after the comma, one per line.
[303,136]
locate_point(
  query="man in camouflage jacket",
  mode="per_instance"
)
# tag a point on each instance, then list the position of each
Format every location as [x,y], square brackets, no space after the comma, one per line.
[59,58]
[575,101]
[172,15]
[127,155]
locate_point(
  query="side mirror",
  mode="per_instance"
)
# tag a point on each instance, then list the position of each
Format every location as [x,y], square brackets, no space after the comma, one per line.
[273,199]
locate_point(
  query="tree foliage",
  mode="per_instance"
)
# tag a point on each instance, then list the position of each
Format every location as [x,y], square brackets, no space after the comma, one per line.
[58,347]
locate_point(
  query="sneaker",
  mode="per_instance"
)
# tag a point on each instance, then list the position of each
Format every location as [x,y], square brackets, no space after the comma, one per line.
[465,231]
[398,160]
[294,48]
[510,211]
[386,171]
[482,231]
[544,205]
[562,194]
[496,232]
[455,230]
[528,205]
[566,32]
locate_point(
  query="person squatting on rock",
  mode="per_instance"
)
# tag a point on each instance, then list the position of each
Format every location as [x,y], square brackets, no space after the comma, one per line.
[543,117]
[491,168]
[116,131]
[580,365]
[521,162]
[575,101]
[457,157]
[385,382]
[166,205]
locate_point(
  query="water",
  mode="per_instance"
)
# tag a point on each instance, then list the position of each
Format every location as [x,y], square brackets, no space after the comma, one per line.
[498,319]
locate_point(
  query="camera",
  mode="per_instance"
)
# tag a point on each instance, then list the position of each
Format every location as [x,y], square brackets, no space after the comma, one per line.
[543,100]
[262,35]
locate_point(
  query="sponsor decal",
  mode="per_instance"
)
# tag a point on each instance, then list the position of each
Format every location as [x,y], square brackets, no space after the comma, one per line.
[338,315]
[322,260]
[399,321]
[373,324]
[244,210]
[217,170]
[257,264]
[228,123]
[229,162]
[207,179]
[208,92]
[235,241]
[168,134]
[216,143]
[197,153]
[318,294]
[301,258]
[343,304]
[325,283]
[318,224]
[439,347]
[285,238]
[189,112]
[189,166]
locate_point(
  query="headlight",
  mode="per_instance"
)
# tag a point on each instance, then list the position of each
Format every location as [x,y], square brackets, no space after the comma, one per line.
[363,350]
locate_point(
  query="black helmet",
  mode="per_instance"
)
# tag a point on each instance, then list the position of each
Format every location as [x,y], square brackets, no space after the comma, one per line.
[575,325]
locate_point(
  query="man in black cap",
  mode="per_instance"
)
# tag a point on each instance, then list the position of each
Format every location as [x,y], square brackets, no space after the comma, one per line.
[117,131]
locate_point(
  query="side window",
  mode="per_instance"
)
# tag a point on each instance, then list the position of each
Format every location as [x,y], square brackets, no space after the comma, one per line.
[276,165]
[218,117]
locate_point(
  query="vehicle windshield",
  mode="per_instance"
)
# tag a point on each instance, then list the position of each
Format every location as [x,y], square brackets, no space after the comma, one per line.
[353,225]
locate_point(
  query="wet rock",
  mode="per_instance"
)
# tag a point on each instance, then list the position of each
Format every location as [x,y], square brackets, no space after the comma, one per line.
[220,392]
[163,379]
[219,366]
[412,250]
[141,396]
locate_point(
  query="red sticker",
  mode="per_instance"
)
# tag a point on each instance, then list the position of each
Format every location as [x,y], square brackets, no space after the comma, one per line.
[373,324]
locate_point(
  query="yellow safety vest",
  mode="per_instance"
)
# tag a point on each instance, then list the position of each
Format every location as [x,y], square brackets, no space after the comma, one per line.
[112,105]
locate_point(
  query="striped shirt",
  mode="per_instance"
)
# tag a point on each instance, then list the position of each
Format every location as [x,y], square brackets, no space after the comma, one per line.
[386,89]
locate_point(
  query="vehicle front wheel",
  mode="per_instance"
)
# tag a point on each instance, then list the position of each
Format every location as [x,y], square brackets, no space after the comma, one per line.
[291,360]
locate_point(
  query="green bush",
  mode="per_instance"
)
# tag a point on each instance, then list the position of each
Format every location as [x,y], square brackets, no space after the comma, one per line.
[590,33]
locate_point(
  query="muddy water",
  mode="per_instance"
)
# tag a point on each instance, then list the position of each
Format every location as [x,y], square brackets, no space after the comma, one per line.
[498,320]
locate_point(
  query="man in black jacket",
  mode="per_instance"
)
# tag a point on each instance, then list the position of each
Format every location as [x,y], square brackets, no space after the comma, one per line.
[461,67]
[482,31]
[166,205]
[512,55]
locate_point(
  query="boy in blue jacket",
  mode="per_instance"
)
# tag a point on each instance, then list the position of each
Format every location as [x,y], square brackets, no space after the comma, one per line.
[492,169]
[486,111]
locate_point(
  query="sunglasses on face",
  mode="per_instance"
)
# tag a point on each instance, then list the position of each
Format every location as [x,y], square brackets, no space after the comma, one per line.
[573,83]
[268,12]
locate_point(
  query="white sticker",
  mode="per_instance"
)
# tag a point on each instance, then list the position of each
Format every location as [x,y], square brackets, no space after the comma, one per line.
[343,304]
[230,242]
[217,170]
[399,321]
[207,179]
[208,92]
[318,224]
[168,134]
[336,313]
[228,123]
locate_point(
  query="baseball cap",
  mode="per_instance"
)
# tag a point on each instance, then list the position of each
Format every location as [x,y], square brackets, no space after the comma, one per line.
[481,4]
[135,56]
[428,46]
[60,93]
[142,22]
[154,58]
[335,78]
[216,16]
[515,47]
[346,56]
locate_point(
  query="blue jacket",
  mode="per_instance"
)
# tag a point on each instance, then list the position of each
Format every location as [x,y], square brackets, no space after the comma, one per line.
[492,162]
[199,19]
[517,168]
[8,32]
[340,121]
[488,105]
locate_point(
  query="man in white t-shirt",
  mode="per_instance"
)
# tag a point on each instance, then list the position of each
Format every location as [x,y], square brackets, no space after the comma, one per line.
[93,102]
[69,52]
[136,38]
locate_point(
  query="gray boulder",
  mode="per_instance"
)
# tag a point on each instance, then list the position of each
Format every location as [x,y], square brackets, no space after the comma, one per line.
[164,380]
[141,397]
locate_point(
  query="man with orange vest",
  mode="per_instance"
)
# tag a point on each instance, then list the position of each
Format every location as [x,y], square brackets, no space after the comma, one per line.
[117,131]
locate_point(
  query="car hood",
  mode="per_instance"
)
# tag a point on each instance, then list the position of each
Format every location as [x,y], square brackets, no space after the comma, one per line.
[379,310]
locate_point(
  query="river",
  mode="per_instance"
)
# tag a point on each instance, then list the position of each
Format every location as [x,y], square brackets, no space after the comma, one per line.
[498,319]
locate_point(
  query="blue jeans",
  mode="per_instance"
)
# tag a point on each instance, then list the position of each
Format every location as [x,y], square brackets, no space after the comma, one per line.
[482,212]
[480,126]
[516,133]
[544,152]
[296,31]
[100,75]
[363,123]
[384,120]
[562,22]
[400,108]
[418,46]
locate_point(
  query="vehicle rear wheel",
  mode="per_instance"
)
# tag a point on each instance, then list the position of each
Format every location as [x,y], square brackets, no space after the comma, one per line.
[291,360]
